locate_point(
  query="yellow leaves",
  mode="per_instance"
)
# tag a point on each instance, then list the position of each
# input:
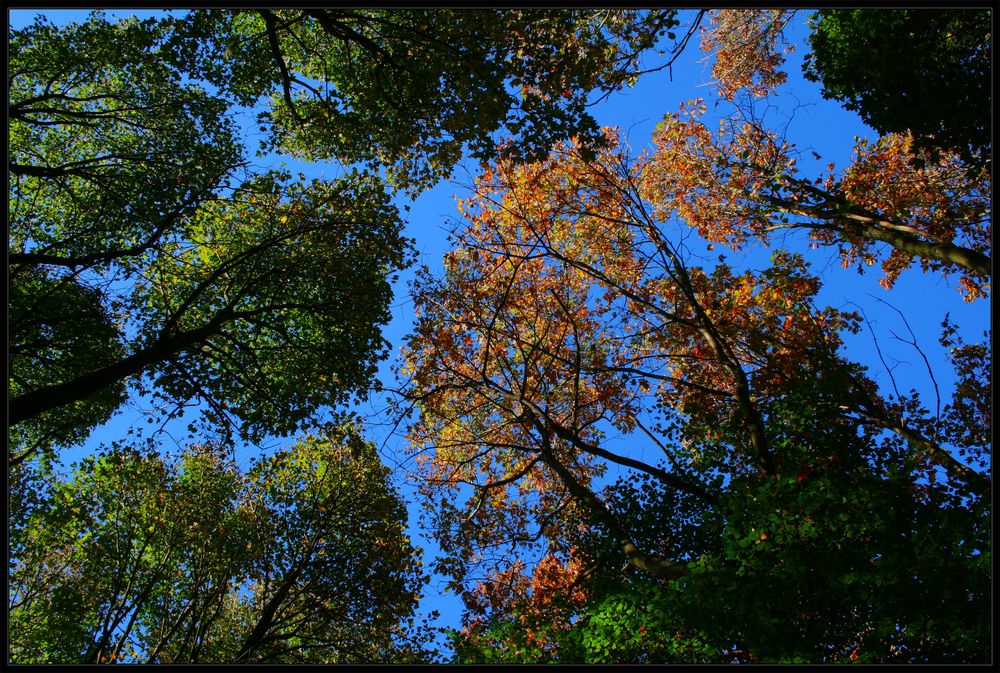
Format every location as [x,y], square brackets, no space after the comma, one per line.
[973,289]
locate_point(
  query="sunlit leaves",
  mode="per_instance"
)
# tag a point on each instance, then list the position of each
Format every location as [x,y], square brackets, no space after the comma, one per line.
[744,45]
[263,299]
[741,184]
[519,618]
[407,89]
[296,276]
[108,145]
[940,202]
[138,558]
[566,314]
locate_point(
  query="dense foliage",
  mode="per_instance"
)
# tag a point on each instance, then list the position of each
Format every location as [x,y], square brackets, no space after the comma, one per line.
[636,428]
[408,88]
[775,505]
[138,558]
[926,71]
[192,280]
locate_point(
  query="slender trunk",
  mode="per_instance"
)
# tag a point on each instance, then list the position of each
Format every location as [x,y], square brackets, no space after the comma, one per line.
[263,625]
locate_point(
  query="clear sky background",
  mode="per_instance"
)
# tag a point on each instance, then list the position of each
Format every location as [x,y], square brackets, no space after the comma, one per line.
[813,124]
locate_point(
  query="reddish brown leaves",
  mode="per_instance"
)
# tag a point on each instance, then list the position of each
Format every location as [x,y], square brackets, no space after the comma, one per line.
[940,203]
[745,45]
[542,603]
[566,313]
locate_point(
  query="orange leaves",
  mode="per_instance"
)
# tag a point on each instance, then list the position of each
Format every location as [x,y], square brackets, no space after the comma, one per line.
[519,335]
[555,581]
[883,180]
[744,43]
[939,202]
[715,182]
[741,183]
[565,297]
[543,602]
[568,312]
[767,323]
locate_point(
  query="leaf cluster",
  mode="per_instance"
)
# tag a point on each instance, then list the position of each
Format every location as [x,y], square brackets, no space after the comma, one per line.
[910,69]
[144,559]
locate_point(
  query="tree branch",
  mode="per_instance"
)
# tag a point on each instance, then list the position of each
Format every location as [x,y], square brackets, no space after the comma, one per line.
[656,565]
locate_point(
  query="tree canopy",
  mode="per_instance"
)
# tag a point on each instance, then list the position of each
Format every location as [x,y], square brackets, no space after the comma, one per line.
[775,505]
[257,294]
[125,191]
[409,88]
[568,336]
[143,559]
[638,424]
[151,259]
[918,70]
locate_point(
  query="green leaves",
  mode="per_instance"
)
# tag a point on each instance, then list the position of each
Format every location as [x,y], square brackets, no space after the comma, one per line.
[828,561]
[263,300]
[407,90]
[572,332]
[918,70]
[135,553]
[58,329]
[109,147]
[295,277]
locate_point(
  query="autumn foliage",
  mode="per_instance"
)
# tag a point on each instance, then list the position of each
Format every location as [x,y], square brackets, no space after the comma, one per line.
[744,44]
[632,403]
[741,184]
[572,334]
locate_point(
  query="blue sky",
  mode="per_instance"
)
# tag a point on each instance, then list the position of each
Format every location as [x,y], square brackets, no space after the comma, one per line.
[813,123]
